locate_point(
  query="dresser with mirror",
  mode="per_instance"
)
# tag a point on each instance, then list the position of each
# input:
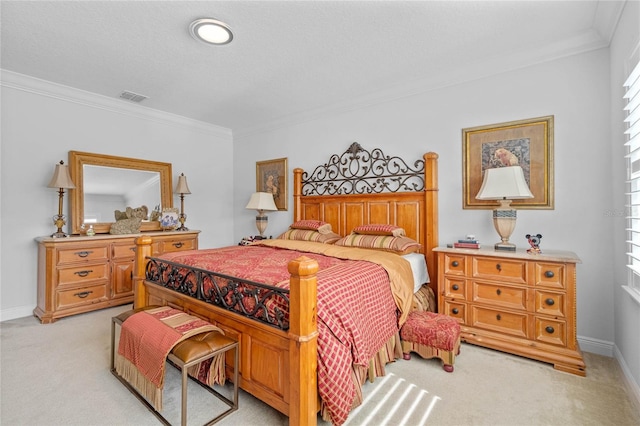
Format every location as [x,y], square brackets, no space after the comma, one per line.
[82,273]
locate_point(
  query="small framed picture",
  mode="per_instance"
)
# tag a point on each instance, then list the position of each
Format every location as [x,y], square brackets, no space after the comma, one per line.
[169,219]
[271,177]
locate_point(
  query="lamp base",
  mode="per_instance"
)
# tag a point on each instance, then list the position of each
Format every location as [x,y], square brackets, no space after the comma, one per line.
[502,246]
[59,235]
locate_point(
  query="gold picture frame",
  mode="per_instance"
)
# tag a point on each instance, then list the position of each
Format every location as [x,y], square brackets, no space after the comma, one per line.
[271,176]
[527,143]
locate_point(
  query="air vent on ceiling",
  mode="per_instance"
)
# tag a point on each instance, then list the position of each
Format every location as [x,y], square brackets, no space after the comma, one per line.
[133,97]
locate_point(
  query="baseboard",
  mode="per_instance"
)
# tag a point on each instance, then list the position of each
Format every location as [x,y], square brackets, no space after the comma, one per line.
[14,313]
[632,386]
[595,346]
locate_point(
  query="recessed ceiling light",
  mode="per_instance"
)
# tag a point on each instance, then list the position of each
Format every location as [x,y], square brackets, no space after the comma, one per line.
[211,31]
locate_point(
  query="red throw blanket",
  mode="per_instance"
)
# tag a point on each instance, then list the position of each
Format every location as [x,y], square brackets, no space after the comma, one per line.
[356,309]
[146,338]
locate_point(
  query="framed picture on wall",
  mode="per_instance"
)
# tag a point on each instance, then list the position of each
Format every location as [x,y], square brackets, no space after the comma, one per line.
[525,143]
[271,177]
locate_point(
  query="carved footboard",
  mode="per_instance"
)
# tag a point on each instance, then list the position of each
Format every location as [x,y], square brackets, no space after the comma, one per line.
[278,353]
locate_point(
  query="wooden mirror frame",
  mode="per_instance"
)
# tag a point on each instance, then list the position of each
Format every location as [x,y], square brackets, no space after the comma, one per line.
[77,161]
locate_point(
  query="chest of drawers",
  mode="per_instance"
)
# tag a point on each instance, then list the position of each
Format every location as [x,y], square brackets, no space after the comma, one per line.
[515,302]
[82,274]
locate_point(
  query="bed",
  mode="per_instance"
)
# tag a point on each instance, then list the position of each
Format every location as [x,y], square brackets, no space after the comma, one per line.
[283,326]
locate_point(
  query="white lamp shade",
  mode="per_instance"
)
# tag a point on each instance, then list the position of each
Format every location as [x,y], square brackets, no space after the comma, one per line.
[261,201]
[61,177]
[504,183]
[182,187]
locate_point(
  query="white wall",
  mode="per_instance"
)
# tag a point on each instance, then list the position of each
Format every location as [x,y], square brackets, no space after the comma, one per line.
[625,52]
[575,90]
[42,122]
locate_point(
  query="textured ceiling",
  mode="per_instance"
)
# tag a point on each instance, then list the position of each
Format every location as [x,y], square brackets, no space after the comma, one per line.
[289,60]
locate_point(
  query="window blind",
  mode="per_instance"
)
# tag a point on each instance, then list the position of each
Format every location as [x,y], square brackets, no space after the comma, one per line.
[632,144]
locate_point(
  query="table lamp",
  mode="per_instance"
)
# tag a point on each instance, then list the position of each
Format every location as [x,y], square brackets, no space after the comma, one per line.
[61,180]
[182,188]
[261,201]
[504,184]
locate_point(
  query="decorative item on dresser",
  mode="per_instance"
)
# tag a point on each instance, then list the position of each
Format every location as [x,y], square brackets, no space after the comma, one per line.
[514,301]
[80,274]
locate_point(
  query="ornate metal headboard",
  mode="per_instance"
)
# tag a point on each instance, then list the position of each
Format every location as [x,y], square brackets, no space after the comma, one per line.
[358,171]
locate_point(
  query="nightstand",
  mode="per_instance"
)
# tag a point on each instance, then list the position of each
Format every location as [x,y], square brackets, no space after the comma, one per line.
[515,302]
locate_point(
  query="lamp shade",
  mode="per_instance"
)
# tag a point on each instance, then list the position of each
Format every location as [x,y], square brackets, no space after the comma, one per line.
[504,183]
[261,201]
[182,187]
[61,177]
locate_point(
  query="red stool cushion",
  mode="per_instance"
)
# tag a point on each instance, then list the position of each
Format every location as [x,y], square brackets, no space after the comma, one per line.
[431,329]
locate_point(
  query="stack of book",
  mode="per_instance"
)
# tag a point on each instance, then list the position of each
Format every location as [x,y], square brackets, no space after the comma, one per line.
[465,243]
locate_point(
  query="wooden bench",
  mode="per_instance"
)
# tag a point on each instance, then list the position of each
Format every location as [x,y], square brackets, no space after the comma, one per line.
[185,354]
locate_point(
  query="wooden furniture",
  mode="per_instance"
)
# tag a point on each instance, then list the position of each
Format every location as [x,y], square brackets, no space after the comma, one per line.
[98,176]
[516,302]
[82,274]
[279,366]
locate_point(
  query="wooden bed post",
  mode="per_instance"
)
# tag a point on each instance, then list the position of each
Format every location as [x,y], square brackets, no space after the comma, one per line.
[431,205]
[297,192]
[303,342]
[143,249]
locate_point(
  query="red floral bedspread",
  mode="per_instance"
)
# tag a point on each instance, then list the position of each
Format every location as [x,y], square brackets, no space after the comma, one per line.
[356,309]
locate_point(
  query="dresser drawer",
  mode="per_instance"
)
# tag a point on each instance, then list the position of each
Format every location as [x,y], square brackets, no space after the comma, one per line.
[455,310]
[454,288]
[177,245]
[513,271]
[82,296]
[84,254]
[123,251]
[454,264]
[500,295]
[511,323]
[551,331]
[550,275]
[550,303]
[82,274]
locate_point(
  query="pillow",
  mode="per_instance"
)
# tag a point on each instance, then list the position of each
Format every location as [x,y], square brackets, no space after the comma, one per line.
[379,229]
[399,245]
[316,225]
[309,235]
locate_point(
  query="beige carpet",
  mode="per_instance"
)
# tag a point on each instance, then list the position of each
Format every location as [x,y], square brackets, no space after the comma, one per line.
[57,374]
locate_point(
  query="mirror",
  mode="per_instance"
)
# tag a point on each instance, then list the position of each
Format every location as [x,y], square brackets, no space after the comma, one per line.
[105,183]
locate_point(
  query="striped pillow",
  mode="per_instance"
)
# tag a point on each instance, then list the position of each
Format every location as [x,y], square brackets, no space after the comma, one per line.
[316,225]
[309,235]
[379,229]
[400,245]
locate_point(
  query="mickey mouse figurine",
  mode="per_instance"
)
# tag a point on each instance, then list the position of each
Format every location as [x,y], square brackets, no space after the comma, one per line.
[534,242]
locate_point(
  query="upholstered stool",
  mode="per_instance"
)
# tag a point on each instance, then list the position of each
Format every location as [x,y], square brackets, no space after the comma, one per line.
[431,335]
[185,354]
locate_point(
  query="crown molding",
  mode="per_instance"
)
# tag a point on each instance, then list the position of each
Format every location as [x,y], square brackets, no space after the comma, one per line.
[61,92]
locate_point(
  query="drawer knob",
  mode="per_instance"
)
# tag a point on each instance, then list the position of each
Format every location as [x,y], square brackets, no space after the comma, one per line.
[550,301]
[84,253]
[178,244]
[83,273]
[498,267]
[549,329]
[455,311]
[83,294]
[549,274]
[498,292]
[455,287]
[455,263]
[498,317]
